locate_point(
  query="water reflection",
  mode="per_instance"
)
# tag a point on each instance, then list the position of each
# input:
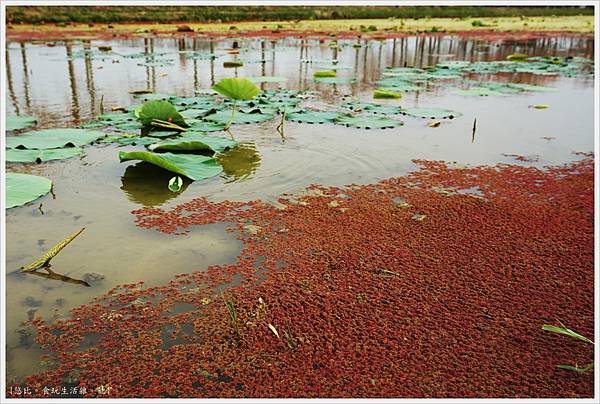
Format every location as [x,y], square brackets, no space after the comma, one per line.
[58,277]
[146,184]
[239,163]
[28,87]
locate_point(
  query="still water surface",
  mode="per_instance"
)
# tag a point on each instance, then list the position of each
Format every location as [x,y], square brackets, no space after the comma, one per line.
[63,87]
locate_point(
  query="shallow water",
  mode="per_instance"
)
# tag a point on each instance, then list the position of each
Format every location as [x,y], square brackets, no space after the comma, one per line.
[97,192]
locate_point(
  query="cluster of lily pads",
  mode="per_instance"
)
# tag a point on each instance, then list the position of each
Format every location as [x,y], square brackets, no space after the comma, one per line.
[405,79]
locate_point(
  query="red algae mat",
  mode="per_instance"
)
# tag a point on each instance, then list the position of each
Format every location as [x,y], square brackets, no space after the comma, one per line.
[411,287]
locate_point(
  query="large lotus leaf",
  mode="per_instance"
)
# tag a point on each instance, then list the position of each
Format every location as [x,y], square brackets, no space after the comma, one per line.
[240,117]
[194,141]
[196,125]
[267,79]
[312,116]
[237,88]
[162,110]
[38,156]
[334,80]
[373,108]
[367,121]
[53,138]
[23,188]
[14,122]
[195,167]
[197,113]
[430,113]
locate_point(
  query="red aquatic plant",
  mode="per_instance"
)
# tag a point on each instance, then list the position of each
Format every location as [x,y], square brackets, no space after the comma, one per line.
[394,289]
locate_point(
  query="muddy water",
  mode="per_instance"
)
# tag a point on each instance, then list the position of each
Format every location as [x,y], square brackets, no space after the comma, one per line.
[63,87]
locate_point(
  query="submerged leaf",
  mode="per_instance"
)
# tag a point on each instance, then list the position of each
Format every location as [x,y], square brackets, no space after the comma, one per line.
[195,167]
[14,122]
[53,138]
[237,88]
[39,156]
[24,188]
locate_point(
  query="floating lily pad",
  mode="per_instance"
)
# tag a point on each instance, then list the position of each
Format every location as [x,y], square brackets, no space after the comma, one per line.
[136,141]
[195,167]
[367,121]
[430,113]
[224,117]
[53,138]
[312,116]
[14,122]
[152,97]
[39,156]
[24,188]
[373,108]
[194,141]
[196,125]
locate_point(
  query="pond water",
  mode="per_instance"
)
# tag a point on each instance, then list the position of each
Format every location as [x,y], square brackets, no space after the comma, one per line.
[63,86]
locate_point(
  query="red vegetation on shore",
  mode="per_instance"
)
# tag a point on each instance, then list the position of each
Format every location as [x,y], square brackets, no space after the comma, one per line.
[369,297]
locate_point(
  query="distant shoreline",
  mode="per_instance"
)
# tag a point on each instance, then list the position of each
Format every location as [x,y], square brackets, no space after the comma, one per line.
[487,27]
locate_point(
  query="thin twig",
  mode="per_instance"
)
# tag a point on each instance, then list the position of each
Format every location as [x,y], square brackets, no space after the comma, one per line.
[474,129]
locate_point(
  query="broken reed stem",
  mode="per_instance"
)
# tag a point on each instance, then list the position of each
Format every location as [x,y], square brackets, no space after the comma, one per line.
[474,129]
[167,125]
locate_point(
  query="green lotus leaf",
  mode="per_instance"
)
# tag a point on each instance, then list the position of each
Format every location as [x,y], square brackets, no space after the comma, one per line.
[430,113]
[24,188]
[175,184]
[53,138]
[136,141]
[194,141]
[373,108]
[202,102]
[267,79]
[192,166]
[383,93]
[402,86]
[224,117]
[197,113]
[312,116]
[367,121]
[162,110]
[39,156]
[517,57]
[196,125]
[530,87]
[324,73]
[237,88]
[14,122]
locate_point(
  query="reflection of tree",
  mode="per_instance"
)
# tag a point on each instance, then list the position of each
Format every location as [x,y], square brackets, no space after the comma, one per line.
[58,277]
[239,163]
[147,184]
